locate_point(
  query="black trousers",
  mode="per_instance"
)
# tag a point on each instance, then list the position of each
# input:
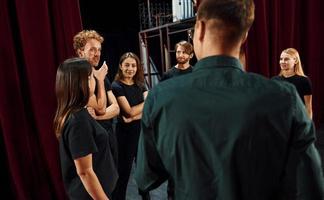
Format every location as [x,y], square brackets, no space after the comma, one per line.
[170,189]
[127,140]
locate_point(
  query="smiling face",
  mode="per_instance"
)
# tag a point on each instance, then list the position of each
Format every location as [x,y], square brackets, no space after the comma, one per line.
[287,62]
[128,67]
[91,52]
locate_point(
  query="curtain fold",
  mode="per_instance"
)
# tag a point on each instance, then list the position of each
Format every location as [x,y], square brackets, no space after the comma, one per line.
[36,37]
[282,24]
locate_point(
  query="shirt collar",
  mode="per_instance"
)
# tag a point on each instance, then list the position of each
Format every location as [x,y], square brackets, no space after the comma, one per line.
[218,62]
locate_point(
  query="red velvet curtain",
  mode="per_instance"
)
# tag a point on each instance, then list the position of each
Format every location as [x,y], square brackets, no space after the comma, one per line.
[291,23]
[35,37]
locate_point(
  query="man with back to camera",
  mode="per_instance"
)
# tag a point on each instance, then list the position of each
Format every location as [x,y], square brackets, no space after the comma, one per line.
[184,52]
[234,135]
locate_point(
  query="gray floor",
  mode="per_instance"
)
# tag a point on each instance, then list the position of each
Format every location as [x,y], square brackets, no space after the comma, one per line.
[132,192]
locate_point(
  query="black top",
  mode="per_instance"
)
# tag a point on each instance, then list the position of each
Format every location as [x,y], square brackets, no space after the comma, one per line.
[133,94]
[175,72]
[82,136]
[302,84]
[222,133]
[106,123]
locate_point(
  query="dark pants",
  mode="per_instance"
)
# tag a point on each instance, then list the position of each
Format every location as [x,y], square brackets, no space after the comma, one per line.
[170,189]
[127,139]
[112,138]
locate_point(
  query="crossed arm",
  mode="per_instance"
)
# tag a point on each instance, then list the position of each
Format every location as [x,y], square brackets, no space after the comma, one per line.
[111,111]
[131,113]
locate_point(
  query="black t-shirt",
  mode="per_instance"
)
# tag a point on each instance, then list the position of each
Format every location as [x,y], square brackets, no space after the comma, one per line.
[106,123]
[81,136]
[302,84]
[175,72]
[133,94]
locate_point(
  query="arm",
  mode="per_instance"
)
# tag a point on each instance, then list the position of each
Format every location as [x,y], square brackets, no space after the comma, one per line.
[145,95]
[89,178]
[98,101]
[136,117]
[308,104]
[304,175]
[112,110]
[127,109]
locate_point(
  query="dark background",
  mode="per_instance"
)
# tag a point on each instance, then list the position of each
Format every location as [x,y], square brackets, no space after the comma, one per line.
[37,35]
[119,24]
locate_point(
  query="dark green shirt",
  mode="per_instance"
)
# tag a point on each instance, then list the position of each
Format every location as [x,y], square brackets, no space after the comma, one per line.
[221,133]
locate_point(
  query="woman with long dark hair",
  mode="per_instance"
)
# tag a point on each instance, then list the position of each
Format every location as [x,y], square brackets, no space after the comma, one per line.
[130,92]
[87,165]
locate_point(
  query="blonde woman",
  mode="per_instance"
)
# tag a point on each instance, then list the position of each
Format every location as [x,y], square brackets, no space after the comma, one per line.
[292,72]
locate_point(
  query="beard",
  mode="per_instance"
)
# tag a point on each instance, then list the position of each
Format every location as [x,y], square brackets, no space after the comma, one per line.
[182,61]
[94,61]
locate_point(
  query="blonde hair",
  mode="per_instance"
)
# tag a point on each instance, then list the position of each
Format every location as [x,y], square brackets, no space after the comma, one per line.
[81,39]
[298,66]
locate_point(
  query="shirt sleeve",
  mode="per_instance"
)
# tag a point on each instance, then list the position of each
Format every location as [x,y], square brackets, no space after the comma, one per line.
[117,89]
[303,174]
[144,88]
[81,140]
[307,86]
[165,76]
[150,171]
[107,84]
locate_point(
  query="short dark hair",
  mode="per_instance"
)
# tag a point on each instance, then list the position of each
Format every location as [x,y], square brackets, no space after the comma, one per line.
[234,16]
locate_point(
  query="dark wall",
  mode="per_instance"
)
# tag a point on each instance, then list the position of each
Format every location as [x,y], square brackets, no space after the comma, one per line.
[118,23]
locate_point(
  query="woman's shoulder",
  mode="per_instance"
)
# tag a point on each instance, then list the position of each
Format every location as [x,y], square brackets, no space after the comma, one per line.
[79,116]
[116,84]
[79,119]
[303,79]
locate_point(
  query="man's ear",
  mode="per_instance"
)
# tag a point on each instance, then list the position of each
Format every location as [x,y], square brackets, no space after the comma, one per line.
[200,30]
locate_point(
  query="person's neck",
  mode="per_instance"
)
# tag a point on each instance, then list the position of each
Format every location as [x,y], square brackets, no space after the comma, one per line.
[182,66]
[217,49]
[127,81]
[288,73]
